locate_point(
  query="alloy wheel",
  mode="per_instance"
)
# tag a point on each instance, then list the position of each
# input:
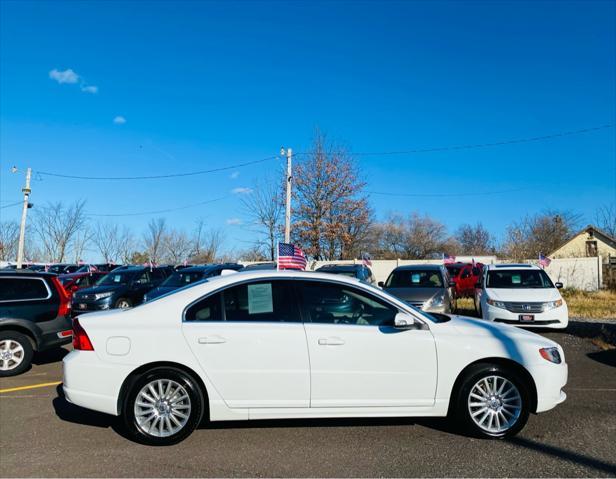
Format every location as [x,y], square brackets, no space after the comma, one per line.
[494,404]
[11,354]
[162,408]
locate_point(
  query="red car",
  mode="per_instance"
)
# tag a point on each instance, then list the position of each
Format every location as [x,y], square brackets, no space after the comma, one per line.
[74,281]
[465,275]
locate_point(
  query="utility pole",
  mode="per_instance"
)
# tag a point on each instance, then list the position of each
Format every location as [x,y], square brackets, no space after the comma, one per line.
[22,229]
[287,215]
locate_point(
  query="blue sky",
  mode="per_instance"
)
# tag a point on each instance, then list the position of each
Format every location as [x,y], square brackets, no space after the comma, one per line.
[204,85]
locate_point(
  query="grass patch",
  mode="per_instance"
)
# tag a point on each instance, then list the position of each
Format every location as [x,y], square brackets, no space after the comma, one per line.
[591,304]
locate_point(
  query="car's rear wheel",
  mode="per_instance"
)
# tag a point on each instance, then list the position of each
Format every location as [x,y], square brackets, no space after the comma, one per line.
[15,353]
[492,402]
[163,407]
[123,303]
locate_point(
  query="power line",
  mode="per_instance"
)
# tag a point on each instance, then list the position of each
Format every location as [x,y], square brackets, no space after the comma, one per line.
[484,145]
[169,210]
[12,204]
[446,195]
[156,177]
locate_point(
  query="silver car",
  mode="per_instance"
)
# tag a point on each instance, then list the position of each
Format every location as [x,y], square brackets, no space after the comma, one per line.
[426,286]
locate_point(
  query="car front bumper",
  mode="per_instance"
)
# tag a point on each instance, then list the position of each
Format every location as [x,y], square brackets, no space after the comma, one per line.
[557,318]
[550,379]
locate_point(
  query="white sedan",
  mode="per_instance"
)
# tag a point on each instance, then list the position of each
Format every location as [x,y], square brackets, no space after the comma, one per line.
[276,344]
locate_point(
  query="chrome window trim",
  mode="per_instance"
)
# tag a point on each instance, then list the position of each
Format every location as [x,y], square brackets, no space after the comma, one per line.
[49,293]
[359,286]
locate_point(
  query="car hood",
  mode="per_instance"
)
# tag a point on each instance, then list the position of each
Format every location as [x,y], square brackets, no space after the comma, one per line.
[415,294]
[159,291]
[101,289]
[466,326]
[525,295]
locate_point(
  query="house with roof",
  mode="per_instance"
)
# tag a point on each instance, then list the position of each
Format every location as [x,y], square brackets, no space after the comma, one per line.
[589,242]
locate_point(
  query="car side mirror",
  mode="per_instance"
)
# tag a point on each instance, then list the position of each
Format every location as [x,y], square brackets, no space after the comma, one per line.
[452,284]
[559,285]
[405,321]
[381,284]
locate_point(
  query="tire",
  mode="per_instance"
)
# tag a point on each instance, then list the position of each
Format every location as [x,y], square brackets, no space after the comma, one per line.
[508,407]
[123,303]
[15,353]
[166,424]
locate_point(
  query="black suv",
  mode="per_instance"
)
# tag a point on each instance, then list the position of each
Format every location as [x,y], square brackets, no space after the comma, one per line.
[122,288]
[34,316]
[189,275]
[359,271]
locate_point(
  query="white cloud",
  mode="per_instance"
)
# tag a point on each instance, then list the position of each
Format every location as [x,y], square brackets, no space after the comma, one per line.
[89,89]
[241,191]
[234,221]
[66,76]
[119,120]
[235,175]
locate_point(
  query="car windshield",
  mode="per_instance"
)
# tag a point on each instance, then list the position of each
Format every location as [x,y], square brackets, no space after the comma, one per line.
[454,270]
[180,279]
[518,279]
[343,272]
[123,277]
[408,278]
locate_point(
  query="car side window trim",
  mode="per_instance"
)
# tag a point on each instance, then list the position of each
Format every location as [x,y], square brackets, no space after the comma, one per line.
[49,293]
[222,300]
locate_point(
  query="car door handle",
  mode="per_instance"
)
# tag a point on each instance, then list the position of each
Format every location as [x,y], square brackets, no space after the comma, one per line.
[212,340]
[331,341]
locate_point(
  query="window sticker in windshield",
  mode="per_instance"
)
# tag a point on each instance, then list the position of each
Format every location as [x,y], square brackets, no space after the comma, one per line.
[415,278]
[260,298]
[516,279]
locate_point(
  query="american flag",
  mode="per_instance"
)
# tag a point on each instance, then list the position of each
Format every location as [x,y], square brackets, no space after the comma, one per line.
[366,260]
[447,259]
[544,261]
[290,257]
[92,268]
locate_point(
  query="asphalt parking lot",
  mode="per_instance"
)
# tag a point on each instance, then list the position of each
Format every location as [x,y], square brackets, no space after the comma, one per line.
[43,435]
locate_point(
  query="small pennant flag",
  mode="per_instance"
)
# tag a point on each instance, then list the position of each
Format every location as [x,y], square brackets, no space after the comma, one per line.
[544,261]
[366,260]
[447,259]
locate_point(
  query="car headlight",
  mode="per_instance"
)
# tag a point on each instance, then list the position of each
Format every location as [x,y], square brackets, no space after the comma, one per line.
[102,295]
[551,354]
[498,304]
[552,304]
[436,301]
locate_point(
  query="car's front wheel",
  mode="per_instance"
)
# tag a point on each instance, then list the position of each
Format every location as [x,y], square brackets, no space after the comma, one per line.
[163,407]
[16,353]
[492,402]
[123,303]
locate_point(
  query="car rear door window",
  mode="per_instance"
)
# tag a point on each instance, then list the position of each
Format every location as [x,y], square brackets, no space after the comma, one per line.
[267,301]
[21,289]
[207,309]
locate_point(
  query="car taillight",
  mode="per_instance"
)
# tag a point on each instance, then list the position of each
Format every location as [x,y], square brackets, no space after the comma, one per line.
[65,298]
[81,341]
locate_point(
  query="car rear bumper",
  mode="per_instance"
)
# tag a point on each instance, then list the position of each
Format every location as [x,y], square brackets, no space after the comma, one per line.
[90,383]
[50,333]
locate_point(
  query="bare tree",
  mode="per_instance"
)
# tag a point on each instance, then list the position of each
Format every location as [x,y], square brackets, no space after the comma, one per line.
[210,242]
[9,238]
[107,240]
[79,245]
[153,239]
[605,217]
[57,227]
[331,216]
[126,246]
[265,209]
[177,246]
[474,240]
[540,233]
